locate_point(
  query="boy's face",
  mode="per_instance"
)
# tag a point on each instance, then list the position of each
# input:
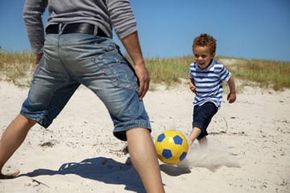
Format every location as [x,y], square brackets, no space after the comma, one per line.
[202,56]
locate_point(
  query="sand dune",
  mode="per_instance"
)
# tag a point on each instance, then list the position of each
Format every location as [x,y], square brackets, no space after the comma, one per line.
[248,151]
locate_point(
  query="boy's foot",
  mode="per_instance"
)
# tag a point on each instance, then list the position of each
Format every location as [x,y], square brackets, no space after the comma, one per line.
[203,142]
[9,175]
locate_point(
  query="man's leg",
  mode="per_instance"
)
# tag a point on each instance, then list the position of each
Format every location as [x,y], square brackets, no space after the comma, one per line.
[11,139]
[144,159]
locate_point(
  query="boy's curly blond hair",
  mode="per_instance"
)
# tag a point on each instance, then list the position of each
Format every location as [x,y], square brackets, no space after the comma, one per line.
[205,40]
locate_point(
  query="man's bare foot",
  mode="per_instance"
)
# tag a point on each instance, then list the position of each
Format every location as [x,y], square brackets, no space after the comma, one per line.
[9,175]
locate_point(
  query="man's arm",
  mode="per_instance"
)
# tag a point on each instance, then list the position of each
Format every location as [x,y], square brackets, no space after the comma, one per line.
[38,57]
[32,15]
[131,43]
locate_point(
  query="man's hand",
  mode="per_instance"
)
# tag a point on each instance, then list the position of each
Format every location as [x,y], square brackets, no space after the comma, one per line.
[143,78]
[37,60]
[131,43]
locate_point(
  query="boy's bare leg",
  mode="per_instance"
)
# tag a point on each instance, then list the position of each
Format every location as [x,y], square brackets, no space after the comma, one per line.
[194,134]
[11,139]
[144,159]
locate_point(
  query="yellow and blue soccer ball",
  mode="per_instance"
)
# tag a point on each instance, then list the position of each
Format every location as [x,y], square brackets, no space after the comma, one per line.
[171,146]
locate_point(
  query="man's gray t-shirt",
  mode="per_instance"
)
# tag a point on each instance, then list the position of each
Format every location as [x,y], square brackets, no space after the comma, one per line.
[104,14]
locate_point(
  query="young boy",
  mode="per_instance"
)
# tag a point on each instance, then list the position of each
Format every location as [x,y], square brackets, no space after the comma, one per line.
[206,77]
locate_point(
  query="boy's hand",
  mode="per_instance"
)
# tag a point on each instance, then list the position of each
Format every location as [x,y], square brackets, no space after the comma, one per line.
[231,97]
[192,86]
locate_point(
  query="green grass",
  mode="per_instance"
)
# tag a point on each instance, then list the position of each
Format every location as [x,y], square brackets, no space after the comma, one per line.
[16,67]
[168,71]
[266,73]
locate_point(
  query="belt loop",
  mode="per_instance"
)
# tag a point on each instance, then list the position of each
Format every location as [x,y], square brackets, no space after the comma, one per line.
[61,27]
[95,30]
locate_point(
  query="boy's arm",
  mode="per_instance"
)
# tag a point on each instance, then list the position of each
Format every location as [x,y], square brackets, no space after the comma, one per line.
[192,85]
[232,95]
[191,82]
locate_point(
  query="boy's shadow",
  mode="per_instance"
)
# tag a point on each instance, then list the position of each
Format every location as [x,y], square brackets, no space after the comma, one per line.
[101,169]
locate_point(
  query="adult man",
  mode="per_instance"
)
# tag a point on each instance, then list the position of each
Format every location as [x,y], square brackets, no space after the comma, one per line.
[78,49]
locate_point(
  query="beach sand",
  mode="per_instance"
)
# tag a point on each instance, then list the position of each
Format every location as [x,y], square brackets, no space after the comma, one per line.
[248,150]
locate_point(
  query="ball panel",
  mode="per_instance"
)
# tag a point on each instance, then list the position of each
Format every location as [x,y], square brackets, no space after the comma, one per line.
[166,153]
[177,140]
[183,155]
[161,137]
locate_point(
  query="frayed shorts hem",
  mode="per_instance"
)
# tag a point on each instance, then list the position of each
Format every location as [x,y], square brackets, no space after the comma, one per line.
[36,118]
[120,132]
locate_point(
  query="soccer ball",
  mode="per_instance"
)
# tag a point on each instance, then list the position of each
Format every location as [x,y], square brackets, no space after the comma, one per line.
[171,146]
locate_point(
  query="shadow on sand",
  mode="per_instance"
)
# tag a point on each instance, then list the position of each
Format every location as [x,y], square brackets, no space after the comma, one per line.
[100,169]
[173,170]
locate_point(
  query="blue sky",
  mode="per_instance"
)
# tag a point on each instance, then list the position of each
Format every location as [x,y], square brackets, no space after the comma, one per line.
[243,28]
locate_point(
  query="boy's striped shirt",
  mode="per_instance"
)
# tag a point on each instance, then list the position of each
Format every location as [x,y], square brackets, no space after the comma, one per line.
[208,82]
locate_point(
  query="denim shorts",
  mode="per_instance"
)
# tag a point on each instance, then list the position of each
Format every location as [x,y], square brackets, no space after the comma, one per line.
[95,62]
[202,116]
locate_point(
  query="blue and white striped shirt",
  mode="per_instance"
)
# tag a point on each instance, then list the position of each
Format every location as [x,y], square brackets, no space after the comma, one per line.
[208,82]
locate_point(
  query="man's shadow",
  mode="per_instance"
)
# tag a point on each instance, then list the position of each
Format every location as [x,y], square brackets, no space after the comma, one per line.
[101,169]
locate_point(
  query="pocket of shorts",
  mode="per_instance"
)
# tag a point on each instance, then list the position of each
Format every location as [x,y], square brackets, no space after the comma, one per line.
[122,75]
[118,69]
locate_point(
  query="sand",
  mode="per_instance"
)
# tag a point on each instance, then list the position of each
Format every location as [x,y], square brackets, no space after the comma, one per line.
[248,150]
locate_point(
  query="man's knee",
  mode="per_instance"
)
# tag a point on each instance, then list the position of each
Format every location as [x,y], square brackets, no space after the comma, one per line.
[25,120]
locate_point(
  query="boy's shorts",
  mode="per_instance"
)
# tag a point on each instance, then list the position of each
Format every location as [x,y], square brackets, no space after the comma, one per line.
[202,116]
[73,59]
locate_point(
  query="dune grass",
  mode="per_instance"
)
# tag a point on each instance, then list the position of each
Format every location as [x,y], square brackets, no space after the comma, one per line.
[265,73]
[16,67]
[268,74]
[169,70]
